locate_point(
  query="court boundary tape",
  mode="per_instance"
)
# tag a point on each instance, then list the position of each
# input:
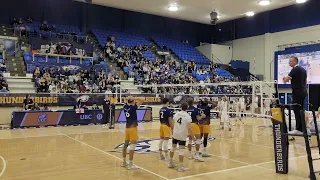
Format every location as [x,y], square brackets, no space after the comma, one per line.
[111,155]
[4,166]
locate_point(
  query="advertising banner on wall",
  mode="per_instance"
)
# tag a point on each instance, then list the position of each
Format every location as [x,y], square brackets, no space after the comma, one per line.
[16,100]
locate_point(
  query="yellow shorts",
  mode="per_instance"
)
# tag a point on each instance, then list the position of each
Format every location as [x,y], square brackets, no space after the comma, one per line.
[165,131]
[195,129]
[132,134]
[204,128]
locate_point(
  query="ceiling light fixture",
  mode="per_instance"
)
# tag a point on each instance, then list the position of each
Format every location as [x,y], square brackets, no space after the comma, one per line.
[173,7]
[250,13]
[264,2]
[300,1]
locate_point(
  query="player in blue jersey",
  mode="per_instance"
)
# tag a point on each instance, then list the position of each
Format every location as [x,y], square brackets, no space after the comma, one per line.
[165,115]
[204,124]
[196,117]
[131,133]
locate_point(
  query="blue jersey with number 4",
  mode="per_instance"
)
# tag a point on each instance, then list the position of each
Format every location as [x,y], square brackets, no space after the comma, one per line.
[130,112]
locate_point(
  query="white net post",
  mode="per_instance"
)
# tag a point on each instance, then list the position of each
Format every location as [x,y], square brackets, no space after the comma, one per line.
[261,98]
[252,108]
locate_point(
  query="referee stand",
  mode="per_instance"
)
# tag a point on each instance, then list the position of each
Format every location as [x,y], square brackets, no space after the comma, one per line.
[281,143]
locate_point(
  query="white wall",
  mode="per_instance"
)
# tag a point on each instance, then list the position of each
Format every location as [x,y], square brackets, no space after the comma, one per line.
[263,47]
[216,52]
[250,49]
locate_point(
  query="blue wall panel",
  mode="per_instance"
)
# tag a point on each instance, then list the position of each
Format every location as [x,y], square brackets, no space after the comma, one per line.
[287,18]
[87,16]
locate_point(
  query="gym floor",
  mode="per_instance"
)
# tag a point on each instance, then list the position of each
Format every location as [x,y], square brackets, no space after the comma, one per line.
[93,152]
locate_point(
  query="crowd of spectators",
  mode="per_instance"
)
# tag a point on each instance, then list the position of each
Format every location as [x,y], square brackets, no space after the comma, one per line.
[63,48]
[160,71]
[3,85]
[58,80]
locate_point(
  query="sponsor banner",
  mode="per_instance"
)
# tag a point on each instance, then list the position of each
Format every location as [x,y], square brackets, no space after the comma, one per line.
[51,118]
[15,100]
[280,141]
[142,114]
[151,146]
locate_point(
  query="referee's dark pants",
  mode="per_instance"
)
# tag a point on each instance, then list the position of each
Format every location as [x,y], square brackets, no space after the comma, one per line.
[298,96]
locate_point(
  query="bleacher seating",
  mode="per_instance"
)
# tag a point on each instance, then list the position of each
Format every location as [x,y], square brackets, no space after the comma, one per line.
[123,39]
[35,27]
[183,50]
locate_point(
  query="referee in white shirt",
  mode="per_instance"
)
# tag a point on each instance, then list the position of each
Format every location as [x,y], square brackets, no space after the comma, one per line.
[298,77]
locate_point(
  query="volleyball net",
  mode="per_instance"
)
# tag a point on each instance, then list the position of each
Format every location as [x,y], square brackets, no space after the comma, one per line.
[258,95]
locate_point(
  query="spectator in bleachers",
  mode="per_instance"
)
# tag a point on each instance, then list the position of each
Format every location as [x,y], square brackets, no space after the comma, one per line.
[3,66]
[43,88]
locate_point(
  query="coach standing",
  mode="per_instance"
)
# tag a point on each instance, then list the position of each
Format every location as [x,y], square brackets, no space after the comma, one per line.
[298,77]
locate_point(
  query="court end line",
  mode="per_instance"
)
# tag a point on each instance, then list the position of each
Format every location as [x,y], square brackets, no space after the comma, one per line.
[4,166]
[113,156]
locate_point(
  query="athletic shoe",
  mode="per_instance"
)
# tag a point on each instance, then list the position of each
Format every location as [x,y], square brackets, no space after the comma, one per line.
[124,164]
[308,132]
[229,129]
[191,156]
[295,132]
[199,159]
[132,167]
[161,157]
[182,169]
[171,164]
[167,158]
[205,154]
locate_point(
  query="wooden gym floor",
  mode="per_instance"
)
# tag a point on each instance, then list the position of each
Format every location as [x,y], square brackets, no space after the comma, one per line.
[86,153]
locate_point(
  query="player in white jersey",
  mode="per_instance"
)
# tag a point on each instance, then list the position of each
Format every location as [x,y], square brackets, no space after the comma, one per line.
[224,114]
[237,108]
[219,108]
[181,129]
[267,103]
[242,106]
[255,104]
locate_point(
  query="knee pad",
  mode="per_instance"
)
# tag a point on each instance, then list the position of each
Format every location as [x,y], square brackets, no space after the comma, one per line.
[173,149]
[198,141]
[125,145]
[165,145]
[160,143]
[132,147]
[190,141]
[181,152]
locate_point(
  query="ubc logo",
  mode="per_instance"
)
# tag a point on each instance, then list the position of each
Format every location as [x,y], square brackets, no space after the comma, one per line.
[42,118]
[86,117]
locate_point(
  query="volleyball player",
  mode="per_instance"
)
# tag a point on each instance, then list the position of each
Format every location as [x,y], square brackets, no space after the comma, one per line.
[181,129]
[237,108]
[219,108]
[131,133]
[165,115]
[224,113]
[242,106]
[204,124]
[267,110]
[196,117]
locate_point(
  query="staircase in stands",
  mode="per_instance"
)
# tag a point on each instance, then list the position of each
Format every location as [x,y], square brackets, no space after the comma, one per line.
[18,80]
[129,85]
